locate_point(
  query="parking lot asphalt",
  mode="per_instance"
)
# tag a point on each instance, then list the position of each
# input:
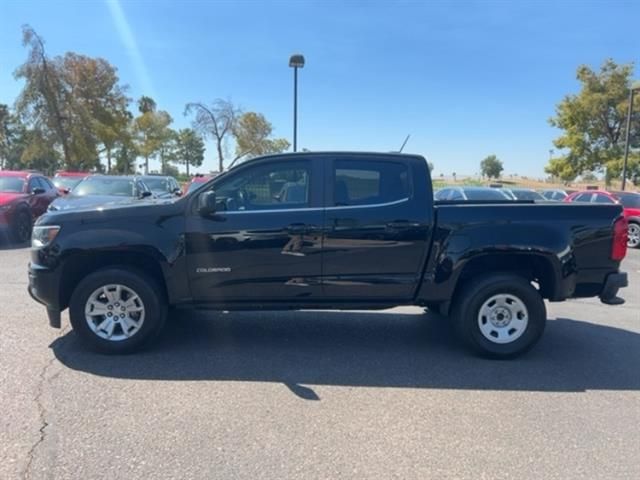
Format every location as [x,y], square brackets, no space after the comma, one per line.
[319,395]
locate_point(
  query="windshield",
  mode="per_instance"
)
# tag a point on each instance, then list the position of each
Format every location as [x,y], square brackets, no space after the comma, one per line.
[527,195]
[158,184]
[66,182]
[629,200]
[11,184]
[488,194]
[120,187]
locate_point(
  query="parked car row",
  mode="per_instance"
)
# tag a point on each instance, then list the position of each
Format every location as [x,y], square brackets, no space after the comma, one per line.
[630,201]
[25,195]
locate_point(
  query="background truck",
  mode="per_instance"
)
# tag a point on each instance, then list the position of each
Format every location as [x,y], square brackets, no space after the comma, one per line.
[325,230]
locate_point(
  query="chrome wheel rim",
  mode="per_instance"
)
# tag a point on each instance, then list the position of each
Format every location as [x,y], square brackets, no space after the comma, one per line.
[503,318]
[633,235]
[114,312]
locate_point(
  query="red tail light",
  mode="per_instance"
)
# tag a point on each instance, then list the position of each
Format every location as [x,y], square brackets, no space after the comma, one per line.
[620,233]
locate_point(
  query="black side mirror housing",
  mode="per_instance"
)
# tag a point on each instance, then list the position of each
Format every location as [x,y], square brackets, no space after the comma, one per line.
[207,203]
[177,191]
[38,191]
[145,194]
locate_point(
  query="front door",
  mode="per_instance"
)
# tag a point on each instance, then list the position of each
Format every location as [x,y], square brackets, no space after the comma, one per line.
[263,243]
[377,229]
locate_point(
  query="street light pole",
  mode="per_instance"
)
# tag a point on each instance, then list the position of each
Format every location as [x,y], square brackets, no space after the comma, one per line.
[635,86]
[296,61]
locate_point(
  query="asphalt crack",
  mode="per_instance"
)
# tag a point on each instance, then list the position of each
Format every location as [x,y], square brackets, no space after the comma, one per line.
[42,413]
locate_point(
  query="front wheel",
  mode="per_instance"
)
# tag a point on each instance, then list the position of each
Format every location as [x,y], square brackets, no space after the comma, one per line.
[499,316]
[21,228]
[117,311]
[633,239]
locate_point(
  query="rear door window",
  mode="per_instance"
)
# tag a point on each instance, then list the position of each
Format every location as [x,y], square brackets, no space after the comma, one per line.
[583,197]
[369,182]
[599,198]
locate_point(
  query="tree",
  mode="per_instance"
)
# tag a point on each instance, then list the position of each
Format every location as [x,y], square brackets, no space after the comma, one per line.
[125,154]
[252,132]
[97,107]
[614,169]
[491,167]
[151,132]
[11,138]
[215,121]
[190,148]
[146,104]
[594,120]
[74,102]
[40,102]
[560,168]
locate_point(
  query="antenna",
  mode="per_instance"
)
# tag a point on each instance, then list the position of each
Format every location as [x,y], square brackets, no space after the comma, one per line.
[404,143]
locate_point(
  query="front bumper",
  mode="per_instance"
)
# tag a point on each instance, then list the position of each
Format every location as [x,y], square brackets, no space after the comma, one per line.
[44,288]
[612,284]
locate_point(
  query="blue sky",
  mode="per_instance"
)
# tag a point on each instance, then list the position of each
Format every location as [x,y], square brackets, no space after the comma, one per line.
[465,79]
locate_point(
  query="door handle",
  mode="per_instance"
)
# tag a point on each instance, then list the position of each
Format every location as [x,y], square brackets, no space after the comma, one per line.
[399,224]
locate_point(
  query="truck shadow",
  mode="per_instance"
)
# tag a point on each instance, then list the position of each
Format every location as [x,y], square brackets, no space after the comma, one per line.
[302,349]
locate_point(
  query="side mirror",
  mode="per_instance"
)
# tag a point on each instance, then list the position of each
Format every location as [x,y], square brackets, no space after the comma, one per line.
[207,203]
[145,194]
[177,191]
[38,191]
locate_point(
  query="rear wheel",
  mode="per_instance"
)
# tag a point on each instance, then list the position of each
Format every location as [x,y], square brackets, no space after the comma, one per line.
[21,228]
[117,311]
[633,240]
[499,316]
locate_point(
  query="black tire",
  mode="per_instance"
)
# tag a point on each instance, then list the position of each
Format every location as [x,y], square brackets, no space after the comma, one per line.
[21,227]
[467,318]
[634,232]
[148,291]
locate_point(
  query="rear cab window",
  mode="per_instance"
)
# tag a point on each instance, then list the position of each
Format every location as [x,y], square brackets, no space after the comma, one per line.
[369,182]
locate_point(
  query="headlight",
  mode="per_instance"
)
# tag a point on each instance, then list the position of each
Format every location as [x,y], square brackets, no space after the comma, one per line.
[43,235]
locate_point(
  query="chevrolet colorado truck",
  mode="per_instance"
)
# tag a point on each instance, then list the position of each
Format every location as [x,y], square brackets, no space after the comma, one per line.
[331,230]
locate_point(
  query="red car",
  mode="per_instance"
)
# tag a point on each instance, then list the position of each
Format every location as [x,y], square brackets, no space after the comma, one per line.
[631,207]
[196,181]
[24,196]
[66,181]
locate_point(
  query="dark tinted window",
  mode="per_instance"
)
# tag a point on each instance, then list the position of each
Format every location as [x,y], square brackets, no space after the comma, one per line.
[484,194]
[456,195]
[121,187]
[442,194]
[629,200]
[159,184]
[33,184]
[265,187]
[66,182]
[583,197]
[527,195]
[362,182]
[602,199]
[44,184]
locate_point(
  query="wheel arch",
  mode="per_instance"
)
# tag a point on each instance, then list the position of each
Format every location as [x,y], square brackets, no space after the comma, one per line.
[80,266]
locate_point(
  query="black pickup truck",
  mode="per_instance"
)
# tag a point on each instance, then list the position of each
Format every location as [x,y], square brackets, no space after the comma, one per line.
[325,230]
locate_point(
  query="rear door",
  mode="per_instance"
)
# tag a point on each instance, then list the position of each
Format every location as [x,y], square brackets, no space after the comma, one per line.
[377,227]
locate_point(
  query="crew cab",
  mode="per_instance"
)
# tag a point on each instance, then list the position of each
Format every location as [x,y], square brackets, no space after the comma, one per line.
[325,230]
